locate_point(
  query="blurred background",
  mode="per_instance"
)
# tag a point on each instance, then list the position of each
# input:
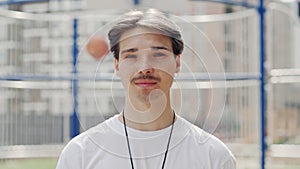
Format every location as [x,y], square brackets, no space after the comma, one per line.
[235,84]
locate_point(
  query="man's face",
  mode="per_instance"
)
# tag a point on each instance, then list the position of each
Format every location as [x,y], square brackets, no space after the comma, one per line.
[146,62]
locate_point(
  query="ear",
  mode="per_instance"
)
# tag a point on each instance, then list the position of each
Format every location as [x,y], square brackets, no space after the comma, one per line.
[177,59]
[116,63]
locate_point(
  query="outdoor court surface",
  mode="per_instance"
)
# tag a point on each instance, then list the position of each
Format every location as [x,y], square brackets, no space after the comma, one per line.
[50,163]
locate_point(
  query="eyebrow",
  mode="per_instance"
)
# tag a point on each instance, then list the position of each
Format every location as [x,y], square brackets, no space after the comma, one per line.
[153,47]
[129,50]
[160,47]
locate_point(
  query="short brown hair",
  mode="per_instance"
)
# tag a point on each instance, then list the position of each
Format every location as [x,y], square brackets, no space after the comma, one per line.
[152,19]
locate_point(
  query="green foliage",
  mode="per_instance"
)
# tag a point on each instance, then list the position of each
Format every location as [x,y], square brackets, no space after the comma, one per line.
[43,163]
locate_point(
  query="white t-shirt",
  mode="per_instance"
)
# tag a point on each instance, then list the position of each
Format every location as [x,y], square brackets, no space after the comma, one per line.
[104,147]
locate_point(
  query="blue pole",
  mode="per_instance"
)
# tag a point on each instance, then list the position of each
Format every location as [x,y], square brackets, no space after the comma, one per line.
[74,117]
[244,3]
[261,11]
[12,2]
[136,2]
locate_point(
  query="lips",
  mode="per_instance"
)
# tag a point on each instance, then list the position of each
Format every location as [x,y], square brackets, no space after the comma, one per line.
[145,83]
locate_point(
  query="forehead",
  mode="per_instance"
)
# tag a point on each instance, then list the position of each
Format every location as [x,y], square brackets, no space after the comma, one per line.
[144,37]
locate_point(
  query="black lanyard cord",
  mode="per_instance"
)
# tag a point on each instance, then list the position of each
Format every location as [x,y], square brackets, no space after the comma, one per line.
[128,145]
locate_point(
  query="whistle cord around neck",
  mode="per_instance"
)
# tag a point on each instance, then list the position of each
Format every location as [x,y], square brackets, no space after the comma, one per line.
[128,145]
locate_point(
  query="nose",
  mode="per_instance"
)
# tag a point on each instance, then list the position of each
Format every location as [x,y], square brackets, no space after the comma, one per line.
[147,71]
[145,65]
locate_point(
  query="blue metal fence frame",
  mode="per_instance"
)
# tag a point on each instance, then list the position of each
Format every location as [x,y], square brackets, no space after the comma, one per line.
[261,11]
[15,2]
[75,126]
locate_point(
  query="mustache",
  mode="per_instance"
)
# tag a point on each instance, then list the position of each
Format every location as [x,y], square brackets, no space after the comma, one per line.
[150,77]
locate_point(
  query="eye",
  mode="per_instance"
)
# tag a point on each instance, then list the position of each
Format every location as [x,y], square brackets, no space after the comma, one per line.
[159,54]
[130,56]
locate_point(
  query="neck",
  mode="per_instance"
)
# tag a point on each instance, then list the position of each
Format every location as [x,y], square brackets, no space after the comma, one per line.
[148,120]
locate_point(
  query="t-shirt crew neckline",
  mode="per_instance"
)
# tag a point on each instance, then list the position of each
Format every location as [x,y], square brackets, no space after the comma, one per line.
[144,144]
[118,127]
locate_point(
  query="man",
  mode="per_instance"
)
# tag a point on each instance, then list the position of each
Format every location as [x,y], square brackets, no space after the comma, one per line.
[147,134]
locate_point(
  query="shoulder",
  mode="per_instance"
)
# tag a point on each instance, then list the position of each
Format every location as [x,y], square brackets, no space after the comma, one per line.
[79,148]
[79,143]
[202,137]
[210,145]
[92,135]
[71,155]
